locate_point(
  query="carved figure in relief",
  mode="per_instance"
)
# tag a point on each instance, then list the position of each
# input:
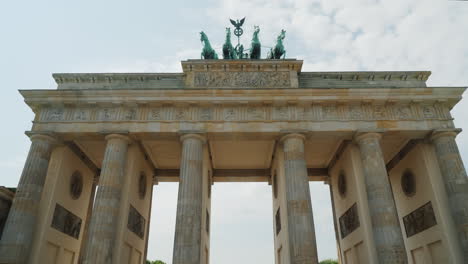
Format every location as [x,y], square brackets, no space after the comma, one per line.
[179,114]
[80,115]
[206,114]
[255,113]
[278,51]
[229,114]
[403,112]
[255,48]
[355,112]
[329,112]
[379,112]
[108,114]
[130,114]
[56,114]
[281,113]
[428,112]
[229,53]
[208,53]
[156,114]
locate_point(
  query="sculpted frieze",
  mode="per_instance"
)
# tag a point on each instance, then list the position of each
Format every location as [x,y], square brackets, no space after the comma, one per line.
[107,114]
[281,113]
[82,114]
[56,114]
[242,79]
[232,113]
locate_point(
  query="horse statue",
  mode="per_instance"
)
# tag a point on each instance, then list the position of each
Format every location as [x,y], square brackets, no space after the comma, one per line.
[278,51]
[208,53]
[255,48]
[229,53]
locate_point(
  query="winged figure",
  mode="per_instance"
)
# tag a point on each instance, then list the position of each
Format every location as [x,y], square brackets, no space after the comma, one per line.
[237,24]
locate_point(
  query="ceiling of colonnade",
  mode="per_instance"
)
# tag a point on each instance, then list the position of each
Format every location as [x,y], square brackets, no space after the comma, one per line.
[239,152]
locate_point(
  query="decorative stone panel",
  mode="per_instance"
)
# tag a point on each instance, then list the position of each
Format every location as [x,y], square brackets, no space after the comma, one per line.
[419,220]
[349,221]
[66,222]
[248,113]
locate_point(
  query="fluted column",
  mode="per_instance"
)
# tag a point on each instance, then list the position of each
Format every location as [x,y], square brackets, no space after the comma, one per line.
[18,234]
[301,231]
[104,219]
[187,241]
[386,230]
[455,180]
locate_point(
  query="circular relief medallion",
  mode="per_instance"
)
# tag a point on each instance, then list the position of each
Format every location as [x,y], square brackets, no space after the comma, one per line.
[76,185]
[142,185]
[408,183]
[342,184]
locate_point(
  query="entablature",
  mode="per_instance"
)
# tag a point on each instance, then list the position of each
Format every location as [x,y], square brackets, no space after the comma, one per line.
[241,74]
[428,95]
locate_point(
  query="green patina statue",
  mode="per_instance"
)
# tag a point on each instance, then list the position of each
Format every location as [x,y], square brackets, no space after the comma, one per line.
[278,51]
[229,53]
[255,48]
[240,52]
[208,53]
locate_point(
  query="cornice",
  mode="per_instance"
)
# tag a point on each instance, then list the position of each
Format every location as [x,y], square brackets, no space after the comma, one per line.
[426,95]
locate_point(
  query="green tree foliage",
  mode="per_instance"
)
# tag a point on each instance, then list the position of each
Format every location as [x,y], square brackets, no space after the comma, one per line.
[155,262]
[328,261]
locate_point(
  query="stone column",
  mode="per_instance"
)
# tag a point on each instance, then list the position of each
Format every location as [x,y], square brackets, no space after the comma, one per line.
[301,231]
[104,219]
[87,222]
[18,235]
[386,230]
[455,180]
[188,232]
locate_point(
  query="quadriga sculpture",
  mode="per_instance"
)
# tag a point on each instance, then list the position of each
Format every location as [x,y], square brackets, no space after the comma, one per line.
[278,51]
[208,53]
[255,48]
[229,53]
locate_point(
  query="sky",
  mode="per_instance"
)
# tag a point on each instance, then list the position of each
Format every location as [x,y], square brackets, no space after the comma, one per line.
[39,38]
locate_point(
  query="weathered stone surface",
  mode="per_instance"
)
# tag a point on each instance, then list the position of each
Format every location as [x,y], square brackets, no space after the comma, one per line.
[246,113]
[455,180]
[103,225]
[242,79]
[242,107]
[6,198]
[187,242]
[387,234]
[302,243]
[19,230]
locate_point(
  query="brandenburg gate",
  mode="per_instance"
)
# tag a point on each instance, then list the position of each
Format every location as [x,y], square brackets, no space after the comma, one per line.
[384,142]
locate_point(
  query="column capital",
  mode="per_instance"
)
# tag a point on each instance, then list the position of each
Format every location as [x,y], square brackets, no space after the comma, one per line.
[193,135]
[361,135]
[292,135]
[445,132]
[125,138]
[45,136]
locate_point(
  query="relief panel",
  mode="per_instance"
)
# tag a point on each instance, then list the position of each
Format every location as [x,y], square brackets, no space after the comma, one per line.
[107,114]
[419,220]
[242,79]
[136,222]
[66,222]
[81,114]
[349,221]
[248,113]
